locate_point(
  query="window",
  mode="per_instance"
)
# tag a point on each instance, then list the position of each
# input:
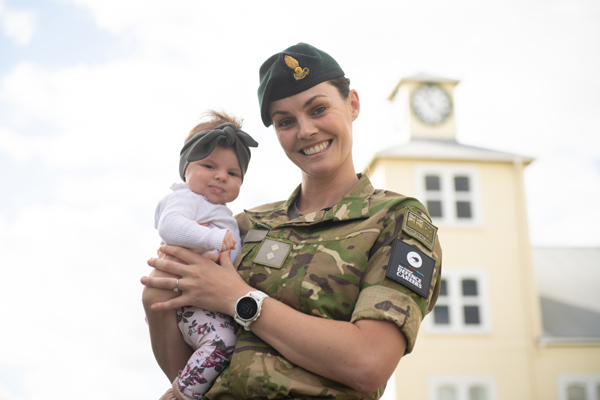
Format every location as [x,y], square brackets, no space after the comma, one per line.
[462,303]
[579,387]
[450,193]
[462,387]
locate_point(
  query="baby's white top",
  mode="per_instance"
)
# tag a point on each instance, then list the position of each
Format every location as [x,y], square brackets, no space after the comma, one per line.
[178,217]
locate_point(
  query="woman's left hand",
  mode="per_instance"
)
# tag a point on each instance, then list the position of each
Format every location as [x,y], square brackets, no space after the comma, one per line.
[203,283]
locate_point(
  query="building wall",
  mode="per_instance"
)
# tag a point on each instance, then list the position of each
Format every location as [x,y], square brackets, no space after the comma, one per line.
[554,361]
[500,246]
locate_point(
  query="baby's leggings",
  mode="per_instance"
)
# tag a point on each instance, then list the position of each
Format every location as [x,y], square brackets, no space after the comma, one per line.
[212,336]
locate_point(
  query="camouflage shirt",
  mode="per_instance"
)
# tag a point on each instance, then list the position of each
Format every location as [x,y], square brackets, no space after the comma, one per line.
[330,264]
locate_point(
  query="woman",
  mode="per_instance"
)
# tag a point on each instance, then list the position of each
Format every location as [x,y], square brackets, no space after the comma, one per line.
[338,260]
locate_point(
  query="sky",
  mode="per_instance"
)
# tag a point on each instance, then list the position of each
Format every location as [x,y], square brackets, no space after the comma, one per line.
[96,98]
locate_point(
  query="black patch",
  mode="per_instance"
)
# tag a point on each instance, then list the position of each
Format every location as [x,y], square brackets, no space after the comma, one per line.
[410,267]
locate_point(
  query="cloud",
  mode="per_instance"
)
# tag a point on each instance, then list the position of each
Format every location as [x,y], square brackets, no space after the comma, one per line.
[563,191]
[18,148]
[18,25]
[75,272]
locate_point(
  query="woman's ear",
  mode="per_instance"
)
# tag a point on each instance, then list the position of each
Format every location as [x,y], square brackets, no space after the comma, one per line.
[354,104]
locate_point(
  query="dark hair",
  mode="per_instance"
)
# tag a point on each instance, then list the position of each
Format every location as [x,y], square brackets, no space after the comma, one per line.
[216,118]
[342,84]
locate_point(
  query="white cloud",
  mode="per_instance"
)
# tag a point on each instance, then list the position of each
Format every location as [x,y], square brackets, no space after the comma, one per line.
[18,148]
[74,298]
[19,25]
[563,193]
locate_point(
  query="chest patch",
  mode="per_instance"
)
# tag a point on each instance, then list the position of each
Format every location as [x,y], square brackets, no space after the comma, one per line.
[411,268]
[272,253]
[419,228]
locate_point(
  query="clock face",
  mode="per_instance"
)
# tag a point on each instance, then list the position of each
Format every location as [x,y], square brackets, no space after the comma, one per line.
[431,104]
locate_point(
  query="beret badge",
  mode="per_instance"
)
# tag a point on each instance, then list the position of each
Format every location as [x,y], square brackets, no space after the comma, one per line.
[299,72]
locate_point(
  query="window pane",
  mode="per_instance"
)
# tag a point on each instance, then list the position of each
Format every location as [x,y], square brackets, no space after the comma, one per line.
[576,391]
[461,183]
[432,182]
[446,393]
[469,287]
[471,315]
[477,393]
[443,288]
[463,209]
[435,208]
[441,315]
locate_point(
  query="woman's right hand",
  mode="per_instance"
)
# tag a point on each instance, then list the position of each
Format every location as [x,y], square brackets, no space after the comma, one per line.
[203,282]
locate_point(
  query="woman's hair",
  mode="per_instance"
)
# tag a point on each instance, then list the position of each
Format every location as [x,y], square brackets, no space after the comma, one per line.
[342,84]
[215,118]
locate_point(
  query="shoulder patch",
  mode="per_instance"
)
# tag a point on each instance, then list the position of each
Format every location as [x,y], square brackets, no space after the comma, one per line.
[419,228]
[255,235]
[411,268]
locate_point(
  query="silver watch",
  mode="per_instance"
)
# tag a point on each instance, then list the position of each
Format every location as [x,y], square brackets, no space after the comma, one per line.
[248,307]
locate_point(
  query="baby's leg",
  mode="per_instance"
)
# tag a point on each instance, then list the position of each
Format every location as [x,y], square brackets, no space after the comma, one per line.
[213,336]
[169,348]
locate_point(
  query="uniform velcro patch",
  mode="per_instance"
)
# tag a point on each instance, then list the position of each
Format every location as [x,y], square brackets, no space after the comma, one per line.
[255,235]
[419,228]
[411,268]
[272,253]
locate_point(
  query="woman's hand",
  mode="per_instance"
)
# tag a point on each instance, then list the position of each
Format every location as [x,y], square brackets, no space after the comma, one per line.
[203,283]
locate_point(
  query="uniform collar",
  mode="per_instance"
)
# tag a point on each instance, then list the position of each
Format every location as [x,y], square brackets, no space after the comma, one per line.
[354,205]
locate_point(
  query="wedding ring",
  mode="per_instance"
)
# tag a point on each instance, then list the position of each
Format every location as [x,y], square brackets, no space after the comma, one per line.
[176,286]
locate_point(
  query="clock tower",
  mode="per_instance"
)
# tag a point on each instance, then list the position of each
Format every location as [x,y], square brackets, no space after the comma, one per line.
[426,106]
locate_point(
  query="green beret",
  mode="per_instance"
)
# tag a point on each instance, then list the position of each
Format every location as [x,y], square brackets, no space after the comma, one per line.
[292,71]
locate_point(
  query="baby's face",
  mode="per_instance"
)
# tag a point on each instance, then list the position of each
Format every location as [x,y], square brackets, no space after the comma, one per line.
[217,177]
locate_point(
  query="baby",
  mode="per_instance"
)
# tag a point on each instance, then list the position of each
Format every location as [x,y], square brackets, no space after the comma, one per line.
[212,164]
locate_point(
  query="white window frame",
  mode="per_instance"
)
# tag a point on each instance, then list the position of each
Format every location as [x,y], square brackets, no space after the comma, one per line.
[588,381]
[462,383]
[455,301]
[448,195]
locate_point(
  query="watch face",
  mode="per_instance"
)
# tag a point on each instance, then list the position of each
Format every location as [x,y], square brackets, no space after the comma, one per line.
[431,104]
[246,308]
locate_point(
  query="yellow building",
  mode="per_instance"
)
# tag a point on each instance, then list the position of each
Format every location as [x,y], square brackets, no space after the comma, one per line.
[485,339]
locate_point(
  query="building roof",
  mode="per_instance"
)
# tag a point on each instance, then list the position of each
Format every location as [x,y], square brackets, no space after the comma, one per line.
[423,77]
[567,323]
[448,150]
[568,282]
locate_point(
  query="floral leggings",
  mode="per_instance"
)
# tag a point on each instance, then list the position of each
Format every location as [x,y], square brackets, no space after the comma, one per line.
[212,336]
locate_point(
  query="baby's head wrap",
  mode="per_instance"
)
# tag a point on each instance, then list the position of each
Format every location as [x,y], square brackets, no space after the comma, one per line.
[202,143]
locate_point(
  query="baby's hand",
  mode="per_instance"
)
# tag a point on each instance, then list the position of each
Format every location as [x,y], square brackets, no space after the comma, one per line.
[228,242]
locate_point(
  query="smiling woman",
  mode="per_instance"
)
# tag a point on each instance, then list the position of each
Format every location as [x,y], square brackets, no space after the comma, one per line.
[321,309]
[314,129]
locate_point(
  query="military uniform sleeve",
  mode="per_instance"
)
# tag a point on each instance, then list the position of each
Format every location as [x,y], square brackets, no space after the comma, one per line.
[383,298]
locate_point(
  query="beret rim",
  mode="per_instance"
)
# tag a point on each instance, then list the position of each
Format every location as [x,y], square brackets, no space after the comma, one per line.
[295,90]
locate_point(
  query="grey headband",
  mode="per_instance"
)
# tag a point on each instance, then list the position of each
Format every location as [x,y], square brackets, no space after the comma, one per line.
[202,143]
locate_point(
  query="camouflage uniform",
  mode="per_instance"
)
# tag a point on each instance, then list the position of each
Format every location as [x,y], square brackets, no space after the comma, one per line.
[335,269]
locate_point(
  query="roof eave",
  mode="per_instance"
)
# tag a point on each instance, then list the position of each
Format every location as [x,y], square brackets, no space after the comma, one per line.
[447,150]
[568,341]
